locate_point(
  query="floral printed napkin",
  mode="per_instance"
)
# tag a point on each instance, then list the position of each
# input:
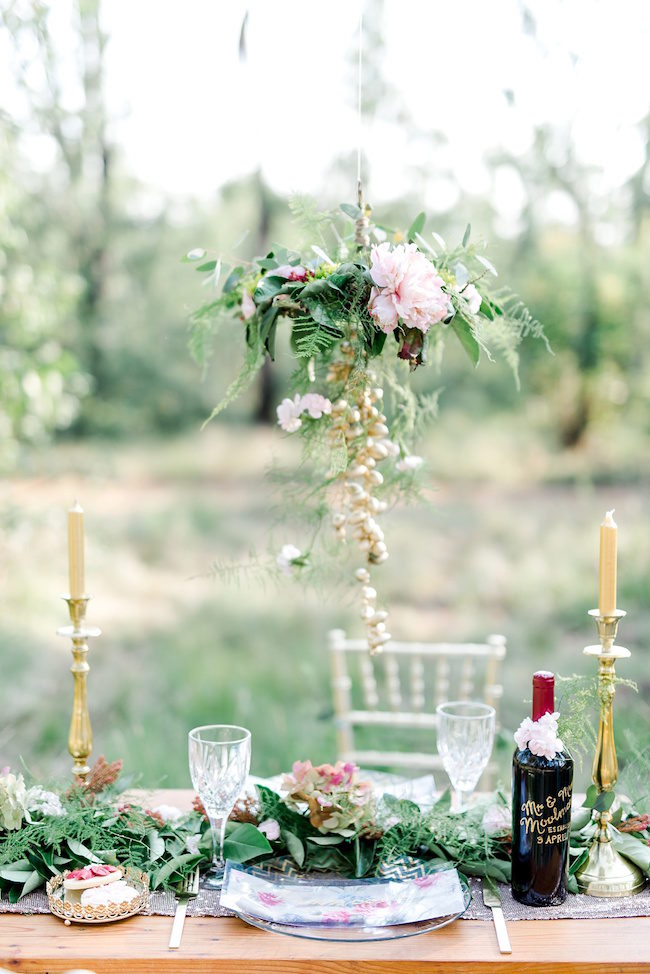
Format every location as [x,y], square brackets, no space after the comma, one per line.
[369,902]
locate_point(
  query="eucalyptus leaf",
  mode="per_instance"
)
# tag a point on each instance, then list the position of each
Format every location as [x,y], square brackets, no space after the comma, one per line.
[575,865]
[193,255]
[417,226]
[604,801]
[461,274]
[245,842]
[233,279]
[466,235]
[590,797]
[326,839]
[156,845]
[580,818]
[268,287]
[32,883]
[79,849]
[350,210]
[631,847]
[16,875]
[466,337]
[377,343]
[295,847]
[487,264]
[173,865]
[364,854]
[208,266]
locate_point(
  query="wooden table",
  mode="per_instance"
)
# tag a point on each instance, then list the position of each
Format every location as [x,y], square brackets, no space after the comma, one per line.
[42,944]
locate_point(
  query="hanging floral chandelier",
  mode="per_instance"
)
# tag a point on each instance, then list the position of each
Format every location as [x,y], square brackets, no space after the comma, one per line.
[359,322]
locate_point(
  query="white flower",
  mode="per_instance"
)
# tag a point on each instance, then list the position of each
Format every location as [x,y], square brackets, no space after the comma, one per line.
[248,306]
[287,557]
[315,405]
[270,828]
[42,802]
[523,733]
[289,412]
[540,736]
[472,297]
[393,448]
[13,795]
[497,819]
[409,463]
[192,843]
[169,813]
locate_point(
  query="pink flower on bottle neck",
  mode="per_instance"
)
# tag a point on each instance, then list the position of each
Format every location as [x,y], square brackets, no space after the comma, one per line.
[540,736]
[407,288]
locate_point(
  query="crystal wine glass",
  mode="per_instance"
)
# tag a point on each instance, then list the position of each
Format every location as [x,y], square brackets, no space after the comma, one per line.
[465,738]
[220,757]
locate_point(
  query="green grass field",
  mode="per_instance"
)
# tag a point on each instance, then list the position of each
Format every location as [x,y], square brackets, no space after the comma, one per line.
[507,542]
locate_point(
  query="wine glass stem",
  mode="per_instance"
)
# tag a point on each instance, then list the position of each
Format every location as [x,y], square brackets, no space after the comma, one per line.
[218,827]
[462,799]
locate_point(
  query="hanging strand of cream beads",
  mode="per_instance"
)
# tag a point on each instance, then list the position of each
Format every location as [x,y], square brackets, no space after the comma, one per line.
[363,426]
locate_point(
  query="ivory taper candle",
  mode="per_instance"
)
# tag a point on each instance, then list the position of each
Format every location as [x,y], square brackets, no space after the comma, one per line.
[76,551]
[607,567]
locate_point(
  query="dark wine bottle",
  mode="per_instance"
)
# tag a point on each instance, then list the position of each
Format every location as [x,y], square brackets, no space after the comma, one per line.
[541,813]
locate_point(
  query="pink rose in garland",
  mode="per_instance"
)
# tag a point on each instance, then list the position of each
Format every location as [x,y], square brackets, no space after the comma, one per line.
[408,289]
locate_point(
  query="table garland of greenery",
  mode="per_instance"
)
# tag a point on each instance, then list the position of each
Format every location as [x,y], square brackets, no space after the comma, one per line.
[102,827]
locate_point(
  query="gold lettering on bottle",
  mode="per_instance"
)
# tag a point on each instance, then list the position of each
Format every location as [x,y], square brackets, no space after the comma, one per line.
[552,828]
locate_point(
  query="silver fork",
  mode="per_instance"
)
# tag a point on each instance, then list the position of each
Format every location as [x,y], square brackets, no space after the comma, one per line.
[188,888]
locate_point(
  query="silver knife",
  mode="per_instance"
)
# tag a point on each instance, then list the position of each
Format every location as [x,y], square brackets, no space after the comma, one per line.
[187,890]
[492,899]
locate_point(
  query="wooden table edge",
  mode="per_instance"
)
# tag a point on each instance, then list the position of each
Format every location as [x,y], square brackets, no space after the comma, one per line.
[40,943]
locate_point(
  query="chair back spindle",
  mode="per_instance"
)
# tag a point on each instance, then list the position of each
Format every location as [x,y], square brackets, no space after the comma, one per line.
[401,689]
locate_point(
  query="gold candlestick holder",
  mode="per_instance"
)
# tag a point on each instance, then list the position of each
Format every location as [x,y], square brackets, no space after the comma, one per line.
[606,872]
[80,739]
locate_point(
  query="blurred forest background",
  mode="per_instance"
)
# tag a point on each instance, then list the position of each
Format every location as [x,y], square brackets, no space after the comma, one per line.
[100,400]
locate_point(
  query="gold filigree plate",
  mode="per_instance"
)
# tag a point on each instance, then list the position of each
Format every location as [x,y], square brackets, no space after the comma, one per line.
[76,913]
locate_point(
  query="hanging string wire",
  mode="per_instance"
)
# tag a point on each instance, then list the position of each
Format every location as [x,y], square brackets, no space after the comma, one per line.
[359,115]
[362,222]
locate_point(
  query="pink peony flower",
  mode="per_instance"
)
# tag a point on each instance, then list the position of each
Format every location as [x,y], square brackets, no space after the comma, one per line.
[316,405]
[408,288]
[288,413]
[248,306]
[291,272]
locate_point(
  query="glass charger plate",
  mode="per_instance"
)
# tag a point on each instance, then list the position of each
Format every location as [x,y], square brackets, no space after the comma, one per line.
[359,934]
[336,909]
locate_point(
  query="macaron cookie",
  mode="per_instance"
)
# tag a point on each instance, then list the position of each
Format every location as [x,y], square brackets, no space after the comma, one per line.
[97,874]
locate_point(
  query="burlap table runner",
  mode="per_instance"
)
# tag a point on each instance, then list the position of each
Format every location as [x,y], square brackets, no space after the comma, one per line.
[574,907]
